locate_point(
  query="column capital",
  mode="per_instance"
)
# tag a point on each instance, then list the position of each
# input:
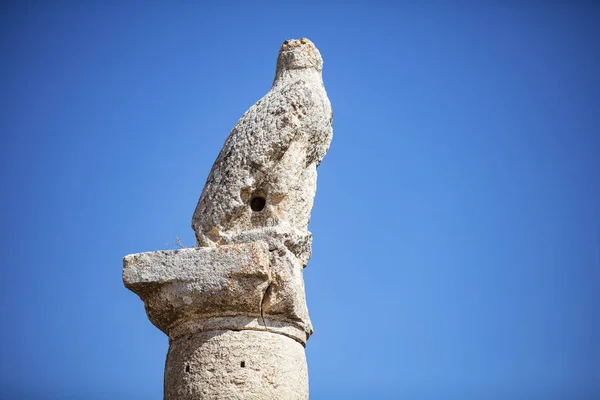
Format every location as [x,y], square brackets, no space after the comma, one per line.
[231,287]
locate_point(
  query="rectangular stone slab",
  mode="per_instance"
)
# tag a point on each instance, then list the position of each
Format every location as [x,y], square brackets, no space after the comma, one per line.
[211,265]
[177,285]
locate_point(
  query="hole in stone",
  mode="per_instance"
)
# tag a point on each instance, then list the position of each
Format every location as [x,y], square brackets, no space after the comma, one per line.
[243,364]
[258,203]
[187,368]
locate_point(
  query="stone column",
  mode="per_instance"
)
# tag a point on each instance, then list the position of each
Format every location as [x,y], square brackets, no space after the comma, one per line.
[234,307]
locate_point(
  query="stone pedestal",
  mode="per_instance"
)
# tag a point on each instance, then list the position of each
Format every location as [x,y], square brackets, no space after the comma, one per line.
[236,319]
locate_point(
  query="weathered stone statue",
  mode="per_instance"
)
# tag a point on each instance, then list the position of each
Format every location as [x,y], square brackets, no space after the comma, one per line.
[234,308]
[263,183]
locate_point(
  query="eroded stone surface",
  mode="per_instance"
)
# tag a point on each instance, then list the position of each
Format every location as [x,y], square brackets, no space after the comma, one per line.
[226,287]
[236,365]
[262,185]
[180,285]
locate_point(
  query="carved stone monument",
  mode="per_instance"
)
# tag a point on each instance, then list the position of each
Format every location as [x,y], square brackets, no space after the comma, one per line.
[234,307]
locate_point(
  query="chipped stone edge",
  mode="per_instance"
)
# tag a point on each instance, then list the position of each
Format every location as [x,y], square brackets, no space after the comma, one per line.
[238,323]
[134,266]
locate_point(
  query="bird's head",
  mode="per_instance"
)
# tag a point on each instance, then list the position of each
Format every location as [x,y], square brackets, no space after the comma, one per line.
[298,54]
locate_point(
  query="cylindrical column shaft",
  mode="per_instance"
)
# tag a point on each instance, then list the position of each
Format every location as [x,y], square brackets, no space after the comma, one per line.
[227,364]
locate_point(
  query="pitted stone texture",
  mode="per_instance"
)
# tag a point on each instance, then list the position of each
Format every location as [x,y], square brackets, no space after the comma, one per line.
[235,365]
[272,153]
[241,286]
[180,285]
[285,297]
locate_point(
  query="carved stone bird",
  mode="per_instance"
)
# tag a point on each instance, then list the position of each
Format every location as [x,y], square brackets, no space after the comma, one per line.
[263,183]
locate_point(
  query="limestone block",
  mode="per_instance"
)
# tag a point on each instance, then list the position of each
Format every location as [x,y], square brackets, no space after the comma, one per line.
[240,287]
[172,284]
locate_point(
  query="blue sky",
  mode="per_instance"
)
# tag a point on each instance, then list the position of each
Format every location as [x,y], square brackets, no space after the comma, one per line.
[456,225]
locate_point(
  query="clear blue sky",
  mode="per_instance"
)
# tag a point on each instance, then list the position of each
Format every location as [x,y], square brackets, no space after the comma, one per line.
[457,219]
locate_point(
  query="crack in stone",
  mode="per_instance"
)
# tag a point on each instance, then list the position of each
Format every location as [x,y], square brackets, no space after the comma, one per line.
[262,302]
